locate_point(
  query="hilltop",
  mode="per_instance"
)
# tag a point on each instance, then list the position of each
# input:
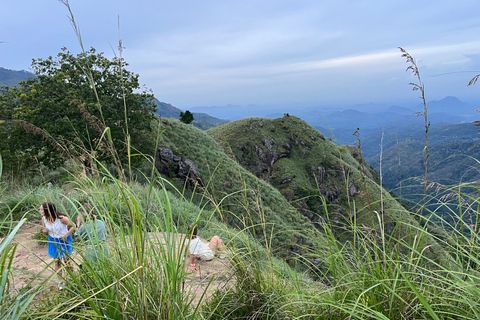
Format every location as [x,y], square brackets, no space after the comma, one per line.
[191,159]
[285,172]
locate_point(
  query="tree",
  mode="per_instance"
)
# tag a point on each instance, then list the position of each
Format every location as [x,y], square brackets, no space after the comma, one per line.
[186,117]
[65,111]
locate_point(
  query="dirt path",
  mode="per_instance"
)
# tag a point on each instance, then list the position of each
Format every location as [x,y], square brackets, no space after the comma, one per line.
[31,259]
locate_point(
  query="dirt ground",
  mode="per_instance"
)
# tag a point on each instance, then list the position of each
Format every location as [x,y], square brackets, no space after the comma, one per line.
[31,259]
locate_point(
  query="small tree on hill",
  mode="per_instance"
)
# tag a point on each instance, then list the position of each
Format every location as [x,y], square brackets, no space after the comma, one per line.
[186,117]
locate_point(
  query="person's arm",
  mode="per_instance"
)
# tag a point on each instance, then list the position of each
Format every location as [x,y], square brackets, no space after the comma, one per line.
[44,230]
[192,263]
[80,227]
[67,222]
[192,257]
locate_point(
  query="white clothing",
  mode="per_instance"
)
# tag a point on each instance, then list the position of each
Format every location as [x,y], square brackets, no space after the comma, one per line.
[200,250]
[56,229]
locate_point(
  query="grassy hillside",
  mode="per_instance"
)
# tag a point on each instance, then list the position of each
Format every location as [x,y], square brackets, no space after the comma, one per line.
[243,200]
[322,181]
[369,277]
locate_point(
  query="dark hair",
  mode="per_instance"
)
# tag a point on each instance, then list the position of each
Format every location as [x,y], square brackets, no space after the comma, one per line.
[88,212]
[192,231]
[50,211]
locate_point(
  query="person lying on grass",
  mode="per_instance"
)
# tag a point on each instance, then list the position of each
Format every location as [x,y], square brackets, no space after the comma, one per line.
[204,251]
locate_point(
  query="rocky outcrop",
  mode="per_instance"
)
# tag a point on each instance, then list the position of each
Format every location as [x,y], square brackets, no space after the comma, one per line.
[268,155]
[318,173]
[174,165]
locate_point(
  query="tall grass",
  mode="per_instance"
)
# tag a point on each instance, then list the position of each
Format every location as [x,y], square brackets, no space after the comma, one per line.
[143,274]
[419,86]
[379,276]
[12,304]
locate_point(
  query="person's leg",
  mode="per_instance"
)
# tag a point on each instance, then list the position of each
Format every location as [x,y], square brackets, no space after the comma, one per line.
[216,244]
[68,263]
[58,266]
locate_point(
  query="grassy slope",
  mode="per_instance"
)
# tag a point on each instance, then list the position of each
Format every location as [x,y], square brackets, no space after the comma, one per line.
[243,199]
[308,148]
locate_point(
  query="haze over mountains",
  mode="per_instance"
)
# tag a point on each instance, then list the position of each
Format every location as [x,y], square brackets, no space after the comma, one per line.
[343,121]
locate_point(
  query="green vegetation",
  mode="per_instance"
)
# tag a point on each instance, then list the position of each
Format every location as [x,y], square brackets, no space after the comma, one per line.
[69,106]
[323,182]
[311,233]
[236,192]
[186,117]
[365,279]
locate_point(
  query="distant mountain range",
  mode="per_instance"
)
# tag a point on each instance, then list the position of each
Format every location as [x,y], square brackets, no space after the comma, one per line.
[12,77]
[343,120]
[201,120]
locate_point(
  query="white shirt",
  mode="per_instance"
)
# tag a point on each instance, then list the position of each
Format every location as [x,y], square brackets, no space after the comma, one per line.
[56,229]
[200,249]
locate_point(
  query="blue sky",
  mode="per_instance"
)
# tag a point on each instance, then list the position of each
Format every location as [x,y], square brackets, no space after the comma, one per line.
[274,53]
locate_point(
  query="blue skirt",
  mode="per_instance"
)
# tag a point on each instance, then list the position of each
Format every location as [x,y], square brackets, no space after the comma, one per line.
[59,249]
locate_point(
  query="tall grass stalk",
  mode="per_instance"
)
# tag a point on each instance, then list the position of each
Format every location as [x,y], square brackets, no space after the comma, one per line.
[419,86]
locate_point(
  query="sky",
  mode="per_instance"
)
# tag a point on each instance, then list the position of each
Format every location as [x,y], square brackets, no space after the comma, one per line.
[298,53]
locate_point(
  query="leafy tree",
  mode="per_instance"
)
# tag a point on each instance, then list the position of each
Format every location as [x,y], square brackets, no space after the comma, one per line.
[186,117]
[68,107]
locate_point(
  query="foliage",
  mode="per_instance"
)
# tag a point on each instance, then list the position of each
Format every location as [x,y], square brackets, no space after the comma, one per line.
[70,105]
[11,306]
[186,117]
[375,276]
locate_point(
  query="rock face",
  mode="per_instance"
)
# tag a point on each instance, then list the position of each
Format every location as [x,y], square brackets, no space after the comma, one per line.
[173,165]
[267,158]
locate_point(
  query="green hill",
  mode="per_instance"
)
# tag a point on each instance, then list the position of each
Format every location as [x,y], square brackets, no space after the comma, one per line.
[283,171]
[12,77]
[322,181]
[188,156]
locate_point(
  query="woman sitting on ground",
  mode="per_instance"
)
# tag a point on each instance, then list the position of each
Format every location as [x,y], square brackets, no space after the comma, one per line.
[93,232]
[204,251]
